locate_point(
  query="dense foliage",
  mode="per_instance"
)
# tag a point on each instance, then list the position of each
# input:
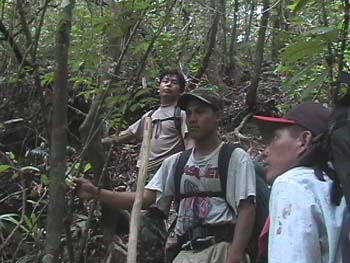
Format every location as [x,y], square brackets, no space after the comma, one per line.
[117,49]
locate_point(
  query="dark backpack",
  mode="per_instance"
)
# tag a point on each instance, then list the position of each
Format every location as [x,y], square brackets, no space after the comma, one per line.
[262,193]
[176,118]
[330,152]
[339,144]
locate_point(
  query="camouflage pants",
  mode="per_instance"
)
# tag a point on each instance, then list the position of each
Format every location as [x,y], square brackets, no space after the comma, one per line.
[152,236]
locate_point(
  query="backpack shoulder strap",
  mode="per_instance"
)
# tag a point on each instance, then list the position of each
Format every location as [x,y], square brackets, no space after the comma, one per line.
[150,113]
[178,123]
[177,119]
[180,165]
[223,163]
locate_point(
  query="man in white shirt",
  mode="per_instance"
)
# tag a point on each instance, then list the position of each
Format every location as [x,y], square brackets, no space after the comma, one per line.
[305,227]
[210,228]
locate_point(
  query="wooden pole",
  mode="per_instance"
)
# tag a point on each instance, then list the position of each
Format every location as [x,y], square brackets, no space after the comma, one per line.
[135,213]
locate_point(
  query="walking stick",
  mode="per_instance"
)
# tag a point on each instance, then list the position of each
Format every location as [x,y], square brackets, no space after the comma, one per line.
[142,175]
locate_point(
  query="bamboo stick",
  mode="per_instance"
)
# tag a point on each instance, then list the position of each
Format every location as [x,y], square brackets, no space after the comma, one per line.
[142,175]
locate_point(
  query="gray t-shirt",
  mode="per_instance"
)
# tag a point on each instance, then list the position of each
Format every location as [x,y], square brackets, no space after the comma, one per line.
[166,139]
[201,175]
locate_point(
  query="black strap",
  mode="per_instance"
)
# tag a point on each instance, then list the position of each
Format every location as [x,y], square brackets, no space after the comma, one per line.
[180,165]
[223,163]
[202,194]
[176,118]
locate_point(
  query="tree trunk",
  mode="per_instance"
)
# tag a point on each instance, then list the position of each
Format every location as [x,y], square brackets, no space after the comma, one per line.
[250,21]
[251,98]
[211,44]
[224,31]
[276,25]
[233,35]
[59,139]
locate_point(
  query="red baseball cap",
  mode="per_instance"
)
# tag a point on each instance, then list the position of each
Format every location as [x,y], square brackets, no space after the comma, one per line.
[309,115]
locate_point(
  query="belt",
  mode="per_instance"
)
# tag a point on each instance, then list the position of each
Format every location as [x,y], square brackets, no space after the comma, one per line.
[199,244]
[203,236]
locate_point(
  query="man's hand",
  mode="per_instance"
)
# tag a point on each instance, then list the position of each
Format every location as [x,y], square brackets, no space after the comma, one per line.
[85,189]
[108,140]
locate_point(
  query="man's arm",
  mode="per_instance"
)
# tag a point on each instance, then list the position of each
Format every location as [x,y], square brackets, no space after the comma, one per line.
[243,230]
[123,137]
[122,200]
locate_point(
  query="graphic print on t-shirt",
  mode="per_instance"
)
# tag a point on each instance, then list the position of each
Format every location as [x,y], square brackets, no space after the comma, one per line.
[197,179]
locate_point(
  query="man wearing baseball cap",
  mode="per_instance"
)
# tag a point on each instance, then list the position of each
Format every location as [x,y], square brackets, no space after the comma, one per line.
[205,223]
[304,224]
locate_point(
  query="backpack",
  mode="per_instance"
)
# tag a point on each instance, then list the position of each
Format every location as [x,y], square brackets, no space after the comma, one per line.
[262,195]
[176,118]
[339,144]
[330,152]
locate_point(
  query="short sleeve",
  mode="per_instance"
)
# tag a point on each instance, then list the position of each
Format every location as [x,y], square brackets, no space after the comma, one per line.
[163,183]
[137,127]
[293,234]
[241,181]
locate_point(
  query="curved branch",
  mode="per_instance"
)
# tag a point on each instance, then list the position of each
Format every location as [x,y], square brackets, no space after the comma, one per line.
[237,132]
[16,50]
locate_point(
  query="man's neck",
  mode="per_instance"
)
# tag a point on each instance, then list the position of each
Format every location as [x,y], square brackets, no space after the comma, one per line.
[205,147]
[167,102]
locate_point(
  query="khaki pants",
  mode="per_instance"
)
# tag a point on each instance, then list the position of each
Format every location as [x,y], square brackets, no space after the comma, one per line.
[214,254]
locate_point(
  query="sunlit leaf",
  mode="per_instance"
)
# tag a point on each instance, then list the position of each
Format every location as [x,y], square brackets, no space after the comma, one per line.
[4,168]
[87,167]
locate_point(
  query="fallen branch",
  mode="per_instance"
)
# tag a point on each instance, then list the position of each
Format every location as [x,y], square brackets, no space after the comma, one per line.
[237,132]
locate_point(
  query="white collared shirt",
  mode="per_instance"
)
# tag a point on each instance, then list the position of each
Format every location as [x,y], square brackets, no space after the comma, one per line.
[305,226]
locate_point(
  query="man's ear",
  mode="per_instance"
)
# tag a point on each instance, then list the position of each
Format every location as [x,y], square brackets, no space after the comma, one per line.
[304,141]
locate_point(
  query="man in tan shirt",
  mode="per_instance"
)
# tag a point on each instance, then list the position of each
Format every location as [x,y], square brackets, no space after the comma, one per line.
[170,135]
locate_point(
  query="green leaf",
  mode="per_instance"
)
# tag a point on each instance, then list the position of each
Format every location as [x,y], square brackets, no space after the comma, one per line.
[11,155]
[141,92]
[4,168]
[87,167]
[298,5]
[325,32]
[316,84]
[298,76]
[7,216]
[302,50]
